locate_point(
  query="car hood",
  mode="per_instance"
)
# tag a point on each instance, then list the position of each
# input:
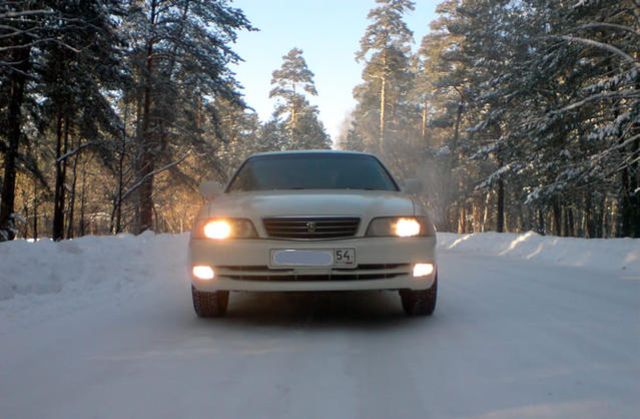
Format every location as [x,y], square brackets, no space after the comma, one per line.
[364,204]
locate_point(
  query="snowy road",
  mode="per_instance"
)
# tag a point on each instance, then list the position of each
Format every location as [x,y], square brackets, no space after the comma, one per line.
[510,339]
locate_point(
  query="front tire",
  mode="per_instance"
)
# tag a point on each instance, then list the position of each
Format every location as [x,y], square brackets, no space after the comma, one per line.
[210,304]
[421,302]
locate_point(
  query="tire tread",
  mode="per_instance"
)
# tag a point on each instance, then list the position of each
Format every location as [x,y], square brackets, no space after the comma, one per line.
[421,302]
[210,304]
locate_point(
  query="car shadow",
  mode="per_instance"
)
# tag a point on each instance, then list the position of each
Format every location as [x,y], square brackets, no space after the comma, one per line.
[316,310]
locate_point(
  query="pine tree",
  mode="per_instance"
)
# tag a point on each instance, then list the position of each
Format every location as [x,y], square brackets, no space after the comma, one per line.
[547,105]
[239,135]
[385,49]
[66,50]
[74,84]
[272,136]
[442,95]
[180,56]
[292,82]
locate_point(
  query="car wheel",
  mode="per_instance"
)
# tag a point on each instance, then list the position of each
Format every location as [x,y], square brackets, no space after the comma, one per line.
[210,304]
[421,302]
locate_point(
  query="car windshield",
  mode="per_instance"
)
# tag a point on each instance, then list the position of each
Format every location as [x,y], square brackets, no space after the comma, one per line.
[312,171]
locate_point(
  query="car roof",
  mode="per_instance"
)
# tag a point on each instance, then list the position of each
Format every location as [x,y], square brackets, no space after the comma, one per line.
[294,152]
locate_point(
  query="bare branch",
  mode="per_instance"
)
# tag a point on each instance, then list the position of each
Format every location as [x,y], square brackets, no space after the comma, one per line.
[151,174]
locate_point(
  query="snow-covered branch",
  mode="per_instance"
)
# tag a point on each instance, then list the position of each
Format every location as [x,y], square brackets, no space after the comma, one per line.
[146,177]
[606,25]
[623,94]
[75,151]
[595,44]
[40,41]
[11,15]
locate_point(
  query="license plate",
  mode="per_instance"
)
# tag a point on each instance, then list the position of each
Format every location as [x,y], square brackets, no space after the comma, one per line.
[344,257]
[313,258]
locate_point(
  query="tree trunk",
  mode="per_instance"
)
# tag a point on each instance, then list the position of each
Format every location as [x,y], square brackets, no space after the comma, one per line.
[571,232]
[118,228]
[557,217]
[117,209]
[589,227]
[72,197]
[500,207]
[456,131]
[603,225]
[148,154]
[629,204]
[485,215]
[81,226]
[25,211]
[61,171]
[541,221]
[625,204]
[500,198]
[462,218]
[453,157]
[137,155]
[423,125]
[17,82]
[35,209]
[383,105]
[294,121]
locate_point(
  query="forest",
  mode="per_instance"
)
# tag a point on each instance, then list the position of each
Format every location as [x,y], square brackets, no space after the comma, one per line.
[515,115]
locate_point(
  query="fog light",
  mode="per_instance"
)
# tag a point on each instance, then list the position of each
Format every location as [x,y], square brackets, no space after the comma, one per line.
[422,269]
[203,272]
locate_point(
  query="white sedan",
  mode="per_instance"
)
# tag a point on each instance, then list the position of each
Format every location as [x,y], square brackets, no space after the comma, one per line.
[312,221]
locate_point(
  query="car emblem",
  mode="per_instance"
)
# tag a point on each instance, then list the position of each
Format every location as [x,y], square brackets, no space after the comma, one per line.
[311,227]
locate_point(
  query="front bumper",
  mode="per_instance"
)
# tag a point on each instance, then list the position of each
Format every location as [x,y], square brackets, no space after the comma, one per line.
[383,263]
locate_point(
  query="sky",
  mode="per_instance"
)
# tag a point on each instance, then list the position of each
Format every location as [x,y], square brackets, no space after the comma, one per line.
[329,32]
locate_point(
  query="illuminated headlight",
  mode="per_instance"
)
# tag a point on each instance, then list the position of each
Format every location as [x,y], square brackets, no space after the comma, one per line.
[399,227]
[217,229]
[422,269]
[407,227]
[203,272]
[225,228]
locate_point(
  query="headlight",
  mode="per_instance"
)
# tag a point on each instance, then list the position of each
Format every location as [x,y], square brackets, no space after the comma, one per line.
[407,227]
[225,228]
[217,229]
[400,227]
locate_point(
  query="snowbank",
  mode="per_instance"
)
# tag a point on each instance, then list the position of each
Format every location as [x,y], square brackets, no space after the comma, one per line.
[90,264]
[600,254]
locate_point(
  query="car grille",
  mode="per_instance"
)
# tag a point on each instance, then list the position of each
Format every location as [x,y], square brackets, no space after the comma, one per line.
[362,272]
[311,227]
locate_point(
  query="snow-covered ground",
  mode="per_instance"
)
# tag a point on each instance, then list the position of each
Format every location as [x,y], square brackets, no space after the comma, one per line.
[526,326]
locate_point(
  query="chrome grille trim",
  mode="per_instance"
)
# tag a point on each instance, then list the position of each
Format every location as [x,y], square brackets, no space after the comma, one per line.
[311,227]
[264,273]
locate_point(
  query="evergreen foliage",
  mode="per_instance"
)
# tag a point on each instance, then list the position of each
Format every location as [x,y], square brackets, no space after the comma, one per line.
[135,98]
[515,115]
[292,82]
[525,114]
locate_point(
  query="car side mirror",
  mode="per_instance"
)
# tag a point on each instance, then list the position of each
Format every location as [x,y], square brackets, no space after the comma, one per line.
[412,186]
[210,189]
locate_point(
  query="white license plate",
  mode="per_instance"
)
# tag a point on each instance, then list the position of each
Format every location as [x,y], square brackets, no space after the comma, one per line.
[344,257]
[314,258]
